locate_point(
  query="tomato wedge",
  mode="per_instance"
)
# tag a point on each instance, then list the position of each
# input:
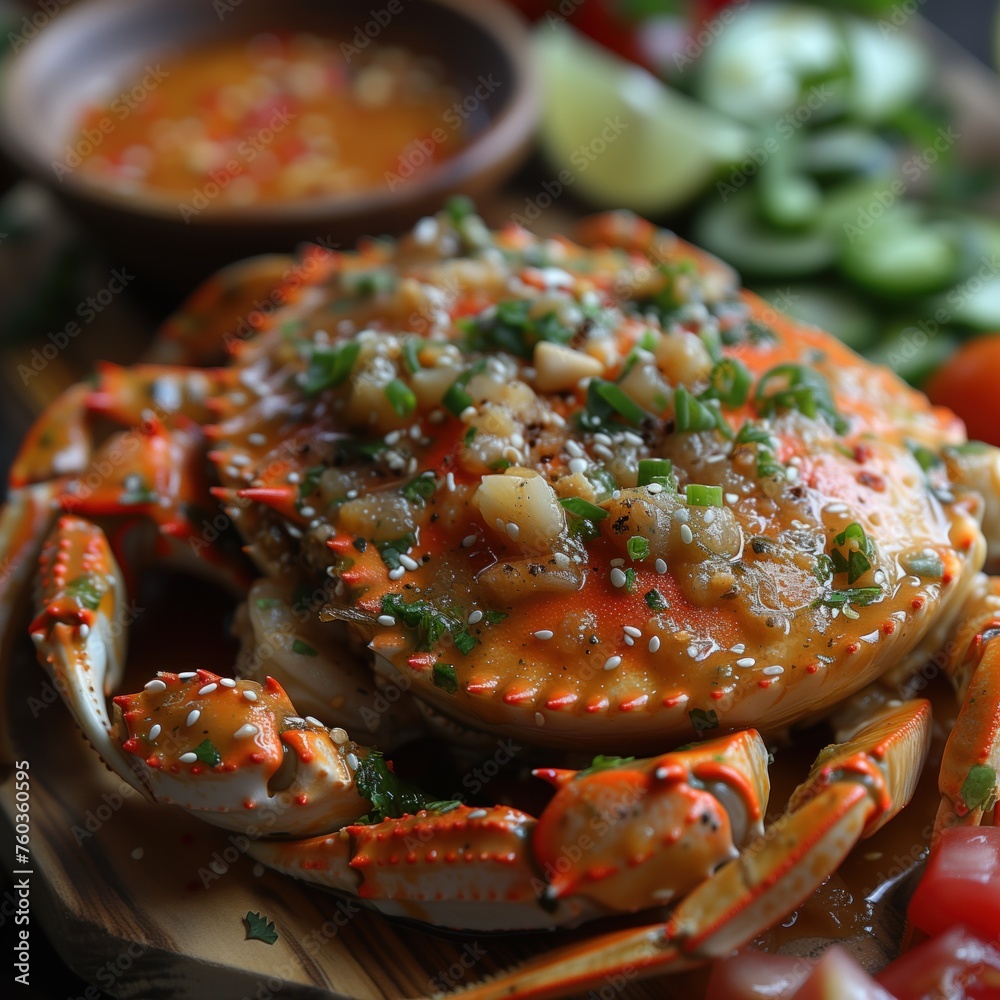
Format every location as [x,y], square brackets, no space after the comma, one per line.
[962,884]
[966,384]
[756,975]
[838,977]
[952,966]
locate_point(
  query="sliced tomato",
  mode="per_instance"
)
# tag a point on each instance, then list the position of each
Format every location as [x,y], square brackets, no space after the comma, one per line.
[756,975]
[838,977]
[967,384]
[962,884]
[952,966]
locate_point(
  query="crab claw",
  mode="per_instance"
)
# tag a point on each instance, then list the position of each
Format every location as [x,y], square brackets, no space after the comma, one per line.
[696,806]
[852,790]
[237,751]
[78,632]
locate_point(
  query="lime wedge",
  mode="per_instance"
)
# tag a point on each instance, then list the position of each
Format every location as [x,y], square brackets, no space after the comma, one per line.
[615,135]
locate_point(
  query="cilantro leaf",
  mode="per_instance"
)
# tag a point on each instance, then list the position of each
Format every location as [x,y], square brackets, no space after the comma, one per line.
[259,928]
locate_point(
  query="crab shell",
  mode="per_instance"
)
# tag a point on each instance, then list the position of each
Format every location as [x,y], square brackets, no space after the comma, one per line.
[722,625]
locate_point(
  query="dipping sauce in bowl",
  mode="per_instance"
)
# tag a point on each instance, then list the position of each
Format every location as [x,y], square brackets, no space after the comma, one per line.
[274,119]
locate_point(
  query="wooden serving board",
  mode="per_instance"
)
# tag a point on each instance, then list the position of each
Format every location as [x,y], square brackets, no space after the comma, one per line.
[126,889]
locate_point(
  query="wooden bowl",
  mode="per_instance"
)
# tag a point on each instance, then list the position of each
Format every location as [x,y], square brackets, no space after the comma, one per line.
[93,51]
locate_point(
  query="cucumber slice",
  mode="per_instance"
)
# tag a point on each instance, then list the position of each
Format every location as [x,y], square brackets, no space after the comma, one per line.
[846,151]
[904,254]
[888,69]
[830,307]
[734,231]
[769,57]
[914,352]
[974,302]
[623,138]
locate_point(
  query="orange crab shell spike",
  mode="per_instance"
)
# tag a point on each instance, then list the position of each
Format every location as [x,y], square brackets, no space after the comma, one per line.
[555,776]
[283,499]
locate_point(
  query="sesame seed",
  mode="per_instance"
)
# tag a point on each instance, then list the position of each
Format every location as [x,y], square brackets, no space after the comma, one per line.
[156,685]
[773,670]
[618,578]
[393,437]
[654,644]
[738,648]
[681,516]
[578,465]
[686,536]
[692,651]
[603,451]
[732,497]
[449,482]
[544,633]
[601,438]
[849,612]
[615,494]
[256,438]
[188,758]
[513,530]
[352,761]
[339,736]
[660,566]
[709,516]
[468,413]
[617,562]
[611,662]
[247,730]
[386,620]
[476,617]
[469,541]
[155,731]
[307,511]
[314,722]
[631,630]
[629,641]
[187,675]
[227,682]
[539,719]
[208,688]
[84,630]
[560,559]
[746,661]
[573,449]
[193,716]
[629,438]
[835,508]
[250,695]
[293,477]
[654,488]
[397,573]
[477,814]
[351,494]
[409,562]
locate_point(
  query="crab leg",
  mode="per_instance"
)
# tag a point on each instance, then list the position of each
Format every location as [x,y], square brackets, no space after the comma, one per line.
[620,838]
[970,766]
[852,790]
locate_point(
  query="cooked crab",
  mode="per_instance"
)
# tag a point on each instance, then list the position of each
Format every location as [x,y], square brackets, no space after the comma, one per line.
[587,495]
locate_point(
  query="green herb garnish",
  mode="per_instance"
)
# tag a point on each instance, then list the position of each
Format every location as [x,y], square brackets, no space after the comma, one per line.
[260,928]
[329,366]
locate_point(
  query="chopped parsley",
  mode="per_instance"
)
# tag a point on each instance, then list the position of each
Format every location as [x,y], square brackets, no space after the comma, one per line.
[445,678]
[260,928]
[88,590]
[862,596]
[432,624]
[979,787]
[513,329]
[638,548]
[389,795]
[798,387]
[208,753]
[655,600]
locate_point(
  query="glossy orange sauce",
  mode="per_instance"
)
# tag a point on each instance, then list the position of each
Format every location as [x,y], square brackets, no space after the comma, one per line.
[272,119]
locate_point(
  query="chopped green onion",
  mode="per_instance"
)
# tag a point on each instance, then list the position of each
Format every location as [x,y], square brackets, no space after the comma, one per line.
[729,382]
[583,508]
[704,496]
[367,282]
[456,400]
[618,400]
[630,580]
[459,207]
[856,595]
[411,350]
[655,470]
[799,388]
[692,415]
[638,547]
[647,341]
[402,397]
[329,366]
[470,435]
